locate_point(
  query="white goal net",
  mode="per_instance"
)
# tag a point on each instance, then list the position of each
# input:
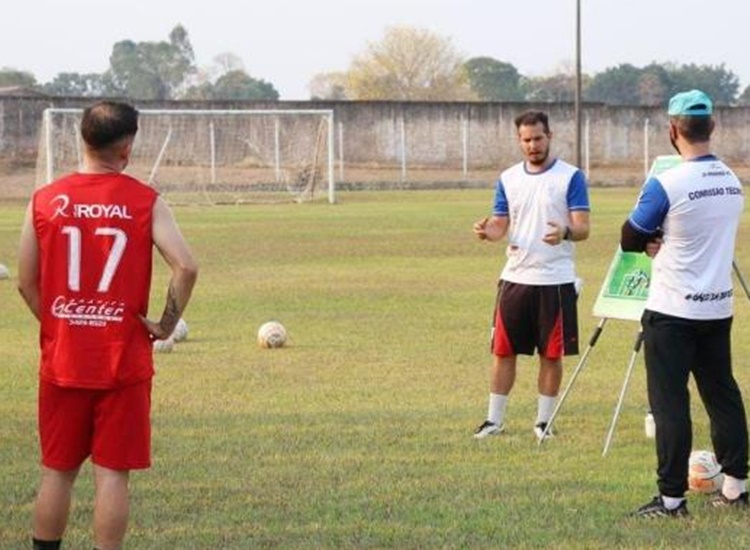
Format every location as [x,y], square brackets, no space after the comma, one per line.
[212,156]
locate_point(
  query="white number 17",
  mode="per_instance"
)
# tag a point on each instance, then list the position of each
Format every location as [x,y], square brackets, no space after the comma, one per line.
[74,255]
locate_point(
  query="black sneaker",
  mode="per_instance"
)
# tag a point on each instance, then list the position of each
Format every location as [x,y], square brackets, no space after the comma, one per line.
[720,501]
[656,509]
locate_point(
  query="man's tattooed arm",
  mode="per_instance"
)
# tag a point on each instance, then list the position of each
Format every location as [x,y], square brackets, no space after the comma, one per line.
[172,312]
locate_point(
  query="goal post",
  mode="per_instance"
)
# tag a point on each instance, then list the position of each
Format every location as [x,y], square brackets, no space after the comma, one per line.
[210,155]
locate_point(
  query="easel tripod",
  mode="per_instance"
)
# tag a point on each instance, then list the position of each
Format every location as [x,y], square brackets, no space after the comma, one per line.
[636,348]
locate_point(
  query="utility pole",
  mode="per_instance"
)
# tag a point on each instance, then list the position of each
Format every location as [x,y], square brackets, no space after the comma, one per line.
[579,158]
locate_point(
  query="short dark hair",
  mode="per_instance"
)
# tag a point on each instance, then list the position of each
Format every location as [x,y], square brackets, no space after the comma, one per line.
[531,118]
[106,122]
[695,129]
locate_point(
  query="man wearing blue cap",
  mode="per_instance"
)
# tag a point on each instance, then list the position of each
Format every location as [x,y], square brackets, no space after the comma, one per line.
[686,218]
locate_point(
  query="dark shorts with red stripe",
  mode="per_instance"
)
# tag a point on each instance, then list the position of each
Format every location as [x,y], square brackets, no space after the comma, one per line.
[535,318]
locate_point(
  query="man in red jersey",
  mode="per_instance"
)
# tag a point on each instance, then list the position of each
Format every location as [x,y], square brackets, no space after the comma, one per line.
[85,272]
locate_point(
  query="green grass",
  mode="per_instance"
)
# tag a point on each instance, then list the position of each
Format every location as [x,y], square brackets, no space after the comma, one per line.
[358,433]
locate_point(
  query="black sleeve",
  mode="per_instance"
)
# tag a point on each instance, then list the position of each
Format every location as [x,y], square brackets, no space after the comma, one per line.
[632,240]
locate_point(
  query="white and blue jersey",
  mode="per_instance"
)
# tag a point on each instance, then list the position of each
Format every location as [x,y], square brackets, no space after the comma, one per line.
[530,200]
[697,206]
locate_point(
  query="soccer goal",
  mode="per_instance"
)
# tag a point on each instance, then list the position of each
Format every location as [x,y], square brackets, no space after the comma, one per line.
[212,156]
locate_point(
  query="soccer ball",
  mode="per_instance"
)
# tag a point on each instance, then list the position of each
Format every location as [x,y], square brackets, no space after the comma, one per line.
[180,331]
[704,473]
[164,346]
[271,335]
[4,273]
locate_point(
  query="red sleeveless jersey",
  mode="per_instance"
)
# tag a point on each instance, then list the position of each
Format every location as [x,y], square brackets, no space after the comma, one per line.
[95,253]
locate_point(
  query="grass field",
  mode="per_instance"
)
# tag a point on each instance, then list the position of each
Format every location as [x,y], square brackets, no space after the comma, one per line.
[358,434]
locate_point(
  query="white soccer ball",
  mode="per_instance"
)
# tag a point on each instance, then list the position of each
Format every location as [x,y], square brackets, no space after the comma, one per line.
[164,346]
[4,273]
[271,335]
[704,473]
[180,332]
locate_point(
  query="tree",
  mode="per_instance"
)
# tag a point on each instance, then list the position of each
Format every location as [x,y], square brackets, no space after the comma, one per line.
[152,70]
[15,77]
[718,82]
[744,98]
[178,60]
[493,80]
[132,74]
[226,62]
[82,85]
[654,85]
[234,85]
[203,90]
[558,88]
[409,64]
[616,86]
[239,85]
[227,79]
[328,86]
[204,77]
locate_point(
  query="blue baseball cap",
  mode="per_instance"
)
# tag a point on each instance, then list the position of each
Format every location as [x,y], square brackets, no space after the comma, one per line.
[692,103]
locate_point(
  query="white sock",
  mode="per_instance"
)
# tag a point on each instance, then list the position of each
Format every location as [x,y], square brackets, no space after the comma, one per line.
[545,408]
[670,503]
[496,408]
[733,487]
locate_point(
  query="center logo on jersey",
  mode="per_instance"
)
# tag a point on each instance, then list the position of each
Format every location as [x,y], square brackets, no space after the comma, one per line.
[61,205]
[95,313]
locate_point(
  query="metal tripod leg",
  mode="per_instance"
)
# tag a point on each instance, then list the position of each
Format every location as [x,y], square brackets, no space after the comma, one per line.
[636,349]
[741,278]
[578,369]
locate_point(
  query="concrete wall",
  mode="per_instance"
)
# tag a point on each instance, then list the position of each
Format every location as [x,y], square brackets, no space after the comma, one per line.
[387,141]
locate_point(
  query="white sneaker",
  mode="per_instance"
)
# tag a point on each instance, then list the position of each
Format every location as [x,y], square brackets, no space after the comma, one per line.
[488,428]
[539,431]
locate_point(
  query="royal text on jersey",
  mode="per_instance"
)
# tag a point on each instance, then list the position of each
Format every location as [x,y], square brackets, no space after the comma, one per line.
[64,208]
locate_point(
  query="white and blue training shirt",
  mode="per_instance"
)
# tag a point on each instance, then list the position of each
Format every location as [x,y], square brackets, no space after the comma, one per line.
[530,200]
[697,205]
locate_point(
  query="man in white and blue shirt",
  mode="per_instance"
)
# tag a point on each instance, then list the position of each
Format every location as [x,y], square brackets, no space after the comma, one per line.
[687,219]
[542,206]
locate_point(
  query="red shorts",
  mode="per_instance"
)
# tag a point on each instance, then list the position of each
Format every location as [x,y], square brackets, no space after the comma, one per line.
[535,317]
[112,426]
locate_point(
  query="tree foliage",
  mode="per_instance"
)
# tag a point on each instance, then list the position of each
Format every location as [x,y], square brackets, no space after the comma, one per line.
[226,79]
[616,85]
[744,98]
[79,85]
[558,88]
[409,64]
[654,84]
[494,80]
[406,64]
[239,85]
[328,86]
[152,70]
[15,77]
[718,82]
[226,62]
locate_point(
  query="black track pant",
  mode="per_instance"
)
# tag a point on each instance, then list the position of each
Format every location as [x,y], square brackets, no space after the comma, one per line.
[673,348]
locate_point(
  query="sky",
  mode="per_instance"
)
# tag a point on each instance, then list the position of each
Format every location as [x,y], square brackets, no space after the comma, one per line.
[287,42]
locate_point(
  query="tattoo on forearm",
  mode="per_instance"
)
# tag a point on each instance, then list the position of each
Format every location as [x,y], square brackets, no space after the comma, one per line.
[171,314]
